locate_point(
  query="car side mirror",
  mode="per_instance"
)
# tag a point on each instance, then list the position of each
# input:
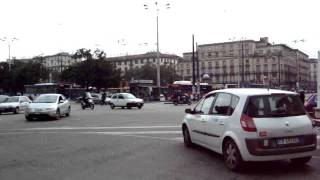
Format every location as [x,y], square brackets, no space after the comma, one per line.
[188,111]
[61,101]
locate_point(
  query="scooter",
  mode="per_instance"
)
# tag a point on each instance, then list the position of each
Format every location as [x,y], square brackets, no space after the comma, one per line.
[88,104]
[182,100]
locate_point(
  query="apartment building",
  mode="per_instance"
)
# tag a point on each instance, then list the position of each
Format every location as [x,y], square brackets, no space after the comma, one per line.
[249,62]
[125,63]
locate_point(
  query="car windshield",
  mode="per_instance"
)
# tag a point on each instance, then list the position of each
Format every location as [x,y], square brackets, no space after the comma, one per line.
[129,96]
[12,99]
[46,99]
[277,105]
[3,98]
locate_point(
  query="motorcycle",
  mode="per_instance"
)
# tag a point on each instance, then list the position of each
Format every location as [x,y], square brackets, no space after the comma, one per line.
[182,100]
[87,104]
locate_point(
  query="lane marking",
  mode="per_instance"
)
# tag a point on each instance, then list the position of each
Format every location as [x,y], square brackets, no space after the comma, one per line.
[136,132]
[91,128]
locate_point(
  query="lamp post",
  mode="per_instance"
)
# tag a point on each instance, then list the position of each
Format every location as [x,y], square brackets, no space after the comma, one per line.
[298,64]
[9,41]
[146,7]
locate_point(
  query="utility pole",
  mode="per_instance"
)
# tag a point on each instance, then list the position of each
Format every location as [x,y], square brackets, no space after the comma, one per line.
[198,73]
[193,70]
[279,70]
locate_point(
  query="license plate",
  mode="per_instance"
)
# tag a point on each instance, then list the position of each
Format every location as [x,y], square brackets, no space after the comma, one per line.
[285,141]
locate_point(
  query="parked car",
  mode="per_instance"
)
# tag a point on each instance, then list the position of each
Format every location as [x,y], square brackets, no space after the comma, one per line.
[251,125]
[3,98]
[14,104]
[125,100]
[48,105]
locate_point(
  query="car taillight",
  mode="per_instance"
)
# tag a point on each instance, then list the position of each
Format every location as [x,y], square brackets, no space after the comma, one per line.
[247,123]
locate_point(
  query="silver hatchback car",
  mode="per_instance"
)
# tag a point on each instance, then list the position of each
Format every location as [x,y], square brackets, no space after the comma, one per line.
[48,105]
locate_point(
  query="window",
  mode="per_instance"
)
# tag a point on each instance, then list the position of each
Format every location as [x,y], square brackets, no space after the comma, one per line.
[120,96]
[222,104]
[198,106]
[207,104]
[276,105]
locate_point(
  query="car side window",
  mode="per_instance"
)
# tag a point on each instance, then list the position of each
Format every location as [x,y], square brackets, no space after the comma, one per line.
[120,96]
[207,103]
[222,104]
[233,105]
[114,96]
[197,109]
[60,98]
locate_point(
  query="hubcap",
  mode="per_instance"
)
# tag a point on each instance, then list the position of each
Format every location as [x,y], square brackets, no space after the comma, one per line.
[231,155]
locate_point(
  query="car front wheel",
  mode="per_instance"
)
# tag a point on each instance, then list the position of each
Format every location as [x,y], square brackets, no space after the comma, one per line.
[57,114]
[232,156]
[16,111]
[186,137]
[112,106]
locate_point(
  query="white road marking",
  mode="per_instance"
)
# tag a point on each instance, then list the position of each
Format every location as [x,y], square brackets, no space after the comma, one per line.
[134,132]
[94,128]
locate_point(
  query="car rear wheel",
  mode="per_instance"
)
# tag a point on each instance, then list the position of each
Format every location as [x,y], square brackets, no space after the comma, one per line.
[112,106]
[232,156]
[92,106]
[186,137]
[300,161]
[16,111]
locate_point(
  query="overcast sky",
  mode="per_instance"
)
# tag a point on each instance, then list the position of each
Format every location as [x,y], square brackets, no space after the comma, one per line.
[119,27]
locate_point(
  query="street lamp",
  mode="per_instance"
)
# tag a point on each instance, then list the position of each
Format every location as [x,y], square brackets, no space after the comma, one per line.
[9,41]
[298,63]
[146,7]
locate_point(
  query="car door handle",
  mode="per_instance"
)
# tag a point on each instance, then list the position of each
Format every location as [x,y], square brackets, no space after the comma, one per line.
[203,121]
[221,123]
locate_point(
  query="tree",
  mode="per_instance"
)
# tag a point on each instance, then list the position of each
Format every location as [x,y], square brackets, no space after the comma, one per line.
[93,71]
[21,74]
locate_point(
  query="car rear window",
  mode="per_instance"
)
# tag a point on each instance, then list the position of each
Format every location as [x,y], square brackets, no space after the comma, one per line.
[275,105]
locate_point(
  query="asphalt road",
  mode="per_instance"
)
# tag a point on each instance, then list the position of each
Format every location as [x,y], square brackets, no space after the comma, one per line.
[120,144]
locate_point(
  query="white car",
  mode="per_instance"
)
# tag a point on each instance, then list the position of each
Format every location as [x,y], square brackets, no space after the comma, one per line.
[48,105]
[125,100]
[251,125]
[14,104]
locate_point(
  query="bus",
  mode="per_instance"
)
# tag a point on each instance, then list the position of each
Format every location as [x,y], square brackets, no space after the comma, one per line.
[45,88]
[183,87]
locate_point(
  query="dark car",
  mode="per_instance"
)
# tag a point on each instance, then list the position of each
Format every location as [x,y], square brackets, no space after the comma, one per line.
[310,104]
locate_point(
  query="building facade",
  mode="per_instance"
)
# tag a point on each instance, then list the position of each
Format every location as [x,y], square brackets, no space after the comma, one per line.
[249,62]
[55,63]
[313,63]
[124,63]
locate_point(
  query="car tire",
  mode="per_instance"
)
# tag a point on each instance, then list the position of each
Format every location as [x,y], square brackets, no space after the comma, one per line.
[186,137]
[69,111]
[92,106]
[139,106]
[28,118]
[58,115]
[16,110]
[300,161]
[112,106]
[232,156]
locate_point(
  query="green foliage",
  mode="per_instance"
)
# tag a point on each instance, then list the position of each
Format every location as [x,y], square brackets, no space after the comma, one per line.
[21,74]
[93,71]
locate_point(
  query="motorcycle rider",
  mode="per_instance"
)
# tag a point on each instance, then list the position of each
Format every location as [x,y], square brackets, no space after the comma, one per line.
[85,97]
